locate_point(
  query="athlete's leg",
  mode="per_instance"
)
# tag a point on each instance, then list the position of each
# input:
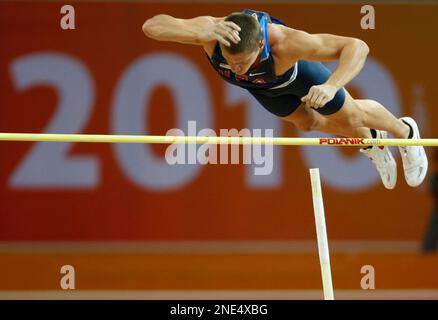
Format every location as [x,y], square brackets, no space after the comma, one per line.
[356,113]
[290,108]
[306,119]
[344,113]
[349,113]
[370,113]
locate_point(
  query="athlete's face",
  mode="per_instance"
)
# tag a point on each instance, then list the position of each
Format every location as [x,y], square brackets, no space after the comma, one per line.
[240,63]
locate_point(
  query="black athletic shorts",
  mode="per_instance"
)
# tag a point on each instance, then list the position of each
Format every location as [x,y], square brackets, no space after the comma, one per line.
[285,100]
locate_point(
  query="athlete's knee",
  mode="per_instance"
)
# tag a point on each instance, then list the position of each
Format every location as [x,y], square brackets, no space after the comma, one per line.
[304,126]
[356,115]
[310,123]
[366,109]
[357,120]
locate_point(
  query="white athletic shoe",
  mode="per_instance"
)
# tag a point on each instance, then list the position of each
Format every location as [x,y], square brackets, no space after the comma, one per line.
[384,161]
[414,158]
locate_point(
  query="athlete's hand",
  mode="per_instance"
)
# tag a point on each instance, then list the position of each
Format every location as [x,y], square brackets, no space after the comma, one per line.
[222,31]
[319,95]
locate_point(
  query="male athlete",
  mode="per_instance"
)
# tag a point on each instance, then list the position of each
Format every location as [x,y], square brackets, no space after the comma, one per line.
[281,68]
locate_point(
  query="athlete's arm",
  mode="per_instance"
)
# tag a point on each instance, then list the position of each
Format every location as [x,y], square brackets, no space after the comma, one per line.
[201,30]
[351,53]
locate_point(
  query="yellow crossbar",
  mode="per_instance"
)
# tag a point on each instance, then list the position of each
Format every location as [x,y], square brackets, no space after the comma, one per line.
[103,138]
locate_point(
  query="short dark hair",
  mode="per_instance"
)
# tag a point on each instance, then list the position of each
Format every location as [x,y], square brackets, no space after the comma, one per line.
[250,33]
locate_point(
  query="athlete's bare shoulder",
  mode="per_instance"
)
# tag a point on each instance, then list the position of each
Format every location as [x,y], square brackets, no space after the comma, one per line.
[280,39]
[283,56]
[293,44]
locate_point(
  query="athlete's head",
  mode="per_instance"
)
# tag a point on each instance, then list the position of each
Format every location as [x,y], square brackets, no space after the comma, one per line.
[240,56]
